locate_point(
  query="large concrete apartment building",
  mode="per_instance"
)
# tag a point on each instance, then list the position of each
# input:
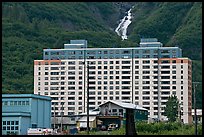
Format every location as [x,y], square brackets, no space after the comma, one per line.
[146,75]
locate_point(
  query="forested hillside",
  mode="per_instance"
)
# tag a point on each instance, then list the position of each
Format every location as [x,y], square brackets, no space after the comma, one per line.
[29,27]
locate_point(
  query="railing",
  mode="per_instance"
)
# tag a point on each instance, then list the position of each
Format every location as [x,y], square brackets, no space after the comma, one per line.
[112,114]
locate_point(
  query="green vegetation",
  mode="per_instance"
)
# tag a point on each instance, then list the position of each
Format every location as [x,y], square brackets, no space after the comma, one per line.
[171,109]
[154,129]
[30,27]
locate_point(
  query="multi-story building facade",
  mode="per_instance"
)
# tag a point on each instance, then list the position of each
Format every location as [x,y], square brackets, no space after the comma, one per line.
[23,111]
[145,75]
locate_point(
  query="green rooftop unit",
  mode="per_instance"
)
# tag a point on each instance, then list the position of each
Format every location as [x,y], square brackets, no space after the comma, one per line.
[140,115]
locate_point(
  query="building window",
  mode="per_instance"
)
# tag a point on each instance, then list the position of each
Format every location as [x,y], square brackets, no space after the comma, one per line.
[146,61]
[16,122]
[173,61]
[165,72]
[125,62]
[145,67]
[117,92]
[165,61]
[173,82]
[146,87]
[165,87]
[136,87]
[165,67]
[144,72]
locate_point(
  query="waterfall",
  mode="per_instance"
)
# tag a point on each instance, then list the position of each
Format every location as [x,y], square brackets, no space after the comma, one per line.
[121,30]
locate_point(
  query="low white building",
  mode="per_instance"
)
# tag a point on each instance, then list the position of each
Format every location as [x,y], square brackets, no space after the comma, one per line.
[199,115]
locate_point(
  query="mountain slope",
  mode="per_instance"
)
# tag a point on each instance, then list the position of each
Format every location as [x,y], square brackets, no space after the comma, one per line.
[30,27]
[172,23]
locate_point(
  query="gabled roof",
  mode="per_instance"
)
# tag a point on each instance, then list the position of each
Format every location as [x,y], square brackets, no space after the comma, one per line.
[125,105]
[93,113]
[84,119]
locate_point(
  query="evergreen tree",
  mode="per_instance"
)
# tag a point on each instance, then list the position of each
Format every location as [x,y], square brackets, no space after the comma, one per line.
[171,109]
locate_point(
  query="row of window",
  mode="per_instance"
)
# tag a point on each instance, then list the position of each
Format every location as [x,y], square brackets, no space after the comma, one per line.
[106,82]
[104,72]
[15,103]
[111,98]
[93,52]
[110,56]
[108,62]
[121,56]
[111,82]
[99,98]
[10,122]
[112,67]
[111,93]
[108,87]
[114,87]
[9,127]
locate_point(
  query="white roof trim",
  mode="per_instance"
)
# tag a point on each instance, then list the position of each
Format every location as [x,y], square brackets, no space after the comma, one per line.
[91,113]
[126,105]
[84,119]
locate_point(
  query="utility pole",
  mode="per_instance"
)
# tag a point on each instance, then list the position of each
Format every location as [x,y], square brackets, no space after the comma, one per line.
[158,83]
[61,117]
[87,98]
[54,115]
[195,114]
[179,113]
[87,94]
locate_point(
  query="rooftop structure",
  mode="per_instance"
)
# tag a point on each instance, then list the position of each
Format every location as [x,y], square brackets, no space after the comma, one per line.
[77,49]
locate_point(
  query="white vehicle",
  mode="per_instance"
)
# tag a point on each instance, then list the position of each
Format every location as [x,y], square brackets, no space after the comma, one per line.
[112,127]
[40,131]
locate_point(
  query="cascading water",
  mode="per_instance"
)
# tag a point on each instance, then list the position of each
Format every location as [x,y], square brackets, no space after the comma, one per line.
[121,30]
